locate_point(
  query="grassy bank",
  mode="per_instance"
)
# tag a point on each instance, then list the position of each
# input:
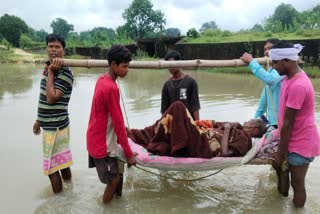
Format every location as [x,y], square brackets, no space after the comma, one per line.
[313,72]
[15,55]
[227,36]
[8,56]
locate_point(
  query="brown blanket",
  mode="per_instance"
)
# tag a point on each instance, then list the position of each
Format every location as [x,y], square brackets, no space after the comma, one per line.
[176,134]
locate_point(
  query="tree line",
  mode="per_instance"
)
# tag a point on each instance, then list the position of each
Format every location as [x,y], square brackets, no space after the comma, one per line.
[142,21]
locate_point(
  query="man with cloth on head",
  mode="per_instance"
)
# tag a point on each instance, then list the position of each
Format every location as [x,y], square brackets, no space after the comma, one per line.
[299,137]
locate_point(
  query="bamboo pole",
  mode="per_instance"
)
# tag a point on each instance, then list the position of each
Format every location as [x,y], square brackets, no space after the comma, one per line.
[198,63]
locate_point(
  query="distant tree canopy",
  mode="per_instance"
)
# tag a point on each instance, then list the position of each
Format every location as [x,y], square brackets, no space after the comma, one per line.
[257,28]
[37,35]
[310,19]
[25,41]
[141,19]
[285,17]
[61,26]
[123,31]
[103,32]
[172,32]
[193,33]
[11,28]
[97,37]
[209,25]
[286,14]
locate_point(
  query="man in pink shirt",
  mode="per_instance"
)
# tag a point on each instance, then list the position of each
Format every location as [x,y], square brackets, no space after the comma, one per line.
[106,127]
[299,137]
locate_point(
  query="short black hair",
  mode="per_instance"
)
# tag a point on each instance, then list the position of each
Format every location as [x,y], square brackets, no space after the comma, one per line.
[272,41]
[56,37]
[282,44]
[119,54]
[173,54]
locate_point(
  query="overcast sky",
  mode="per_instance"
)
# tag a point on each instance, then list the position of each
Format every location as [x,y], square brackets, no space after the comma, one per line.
[230,15]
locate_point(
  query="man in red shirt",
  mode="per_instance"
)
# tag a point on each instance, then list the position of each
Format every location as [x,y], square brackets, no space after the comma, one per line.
[106,127]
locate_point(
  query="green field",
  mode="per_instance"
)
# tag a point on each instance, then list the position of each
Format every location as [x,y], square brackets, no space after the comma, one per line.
[227,36]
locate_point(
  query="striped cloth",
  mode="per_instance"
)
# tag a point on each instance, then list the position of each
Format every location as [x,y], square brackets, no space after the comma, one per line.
[56,152]
[53,116]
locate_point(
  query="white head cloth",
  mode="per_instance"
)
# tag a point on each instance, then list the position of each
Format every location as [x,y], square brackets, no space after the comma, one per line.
[286,53]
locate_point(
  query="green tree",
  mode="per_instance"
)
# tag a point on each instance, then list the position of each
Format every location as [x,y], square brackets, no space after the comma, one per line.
[157,34]
[257,28]
[25,41]
[316,8]
[209,25]
[85,39]
[5,43]
[31,34]
[37,35]
[61,26]
[123,31]
[42,34]
[11,28]
[273,26]
[103,33]
[310,19]
[99,38]
[141,19]
[193,33]
[286,15]
[172,32]
[73,39]
[85,35]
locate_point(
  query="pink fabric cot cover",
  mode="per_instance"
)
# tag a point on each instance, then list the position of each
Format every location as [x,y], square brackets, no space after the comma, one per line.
[147,159]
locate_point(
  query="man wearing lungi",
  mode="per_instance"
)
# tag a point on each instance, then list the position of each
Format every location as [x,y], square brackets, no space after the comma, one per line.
[53,117]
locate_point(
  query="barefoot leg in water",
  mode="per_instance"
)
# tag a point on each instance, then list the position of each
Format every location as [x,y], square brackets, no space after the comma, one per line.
[66,174]
[110,190]
[56,182]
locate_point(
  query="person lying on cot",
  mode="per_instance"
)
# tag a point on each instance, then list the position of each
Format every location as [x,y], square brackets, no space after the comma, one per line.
[176,134]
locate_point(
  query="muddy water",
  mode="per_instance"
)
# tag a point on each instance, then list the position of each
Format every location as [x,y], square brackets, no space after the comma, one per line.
[246,189]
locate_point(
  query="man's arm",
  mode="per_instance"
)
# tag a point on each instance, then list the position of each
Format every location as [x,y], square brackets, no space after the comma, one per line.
[262,106]
[224,141]
[285,133]
[36,128]
[164,99]
[195,115]
[269,78]
[195,102]
[53,94]
[113,103]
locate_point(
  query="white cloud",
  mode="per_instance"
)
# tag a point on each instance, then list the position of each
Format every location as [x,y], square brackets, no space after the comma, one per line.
[183,14]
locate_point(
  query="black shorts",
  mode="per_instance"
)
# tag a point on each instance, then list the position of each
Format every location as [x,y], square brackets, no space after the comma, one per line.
[107,168]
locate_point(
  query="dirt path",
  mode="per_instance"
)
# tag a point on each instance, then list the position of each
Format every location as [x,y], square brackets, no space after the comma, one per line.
[22,55]
[26,57]
[19,51]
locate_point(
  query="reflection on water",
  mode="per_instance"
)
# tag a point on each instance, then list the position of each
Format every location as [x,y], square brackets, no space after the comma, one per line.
[15,79]
[246,189]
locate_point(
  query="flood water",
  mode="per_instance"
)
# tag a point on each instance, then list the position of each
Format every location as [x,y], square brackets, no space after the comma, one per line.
[223,97]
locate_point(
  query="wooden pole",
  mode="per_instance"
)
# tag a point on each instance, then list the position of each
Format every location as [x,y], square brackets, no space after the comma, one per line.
[198,63]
